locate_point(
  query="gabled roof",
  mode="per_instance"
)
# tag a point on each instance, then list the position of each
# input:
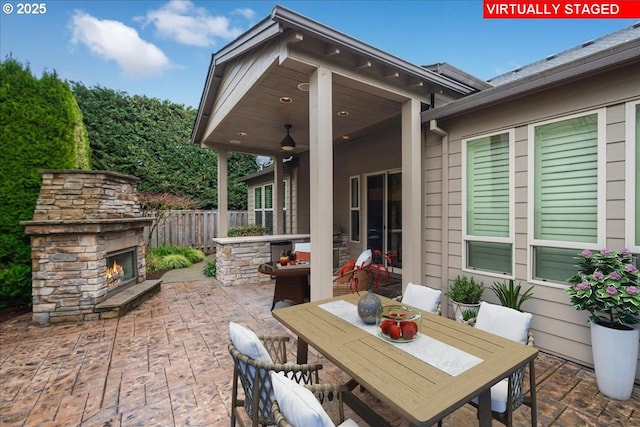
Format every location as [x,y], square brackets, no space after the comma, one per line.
[285,28]
[606,53]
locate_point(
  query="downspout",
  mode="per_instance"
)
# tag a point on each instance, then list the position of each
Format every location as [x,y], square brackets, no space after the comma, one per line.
[444,268]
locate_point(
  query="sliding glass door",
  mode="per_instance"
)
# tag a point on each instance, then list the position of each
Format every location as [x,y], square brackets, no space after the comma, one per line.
[384,215]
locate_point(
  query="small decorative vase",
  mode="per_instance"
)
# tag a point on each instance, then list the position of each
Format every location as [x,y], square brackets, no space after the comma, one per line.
[368,307]
[615,355]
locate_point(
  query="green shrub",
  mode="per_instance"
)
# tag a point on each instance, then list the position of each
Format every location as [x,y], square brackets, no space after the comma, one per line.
[210,269]
[193,255]
[171,262]
[40,128]
[251,230]
[162,251]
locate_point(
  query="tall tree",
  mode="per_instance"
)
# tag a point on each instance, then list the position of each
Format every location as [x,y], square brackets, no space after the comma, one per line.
[149,139]
[40,128]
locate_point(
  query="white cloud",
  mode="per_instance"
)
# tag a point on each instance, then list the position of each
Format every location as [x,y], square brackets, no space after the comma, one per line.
[182,21]
[246,13]
[114,41]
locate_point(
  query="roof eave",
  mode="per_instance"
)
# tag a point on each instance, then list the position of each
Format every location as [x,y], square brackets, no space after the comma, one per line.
[298,22]
[608,59]
[259,33]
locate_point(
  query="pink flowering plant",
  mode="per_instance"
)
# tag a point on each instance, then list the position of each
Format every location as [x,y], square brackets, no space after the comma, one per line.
[607,286]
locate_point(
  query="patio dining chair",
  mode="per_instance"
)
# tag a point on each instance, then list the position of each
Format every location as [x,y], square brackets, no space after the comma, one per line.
[508,395]
[422,297]
[254,357]
[351,277]
[318,405]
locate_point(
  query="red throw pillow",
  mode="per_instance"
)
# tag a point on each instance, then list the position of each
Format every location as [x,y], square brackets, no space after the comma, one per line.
[347,267]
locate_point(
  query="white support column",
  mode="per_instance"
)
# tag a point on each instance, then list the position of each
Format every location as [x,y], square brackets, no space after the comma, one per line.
[411,193]
[223,185]
[321,183]
[278,196]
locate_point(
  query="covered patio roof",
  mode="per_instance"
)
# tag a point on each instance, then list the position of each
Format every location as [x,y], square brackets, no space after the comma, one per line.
[240,108]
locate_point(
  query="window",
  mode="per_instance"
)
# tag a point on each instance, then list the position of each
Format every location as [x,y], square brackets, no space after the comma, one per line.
[257,197]
[263,196]
[633,177]
[488,204]
[354,207]
[566,193]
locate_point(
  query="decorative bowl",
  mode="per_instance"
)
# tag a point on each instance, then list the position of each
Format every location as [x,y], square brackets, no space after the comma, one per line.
[399,323]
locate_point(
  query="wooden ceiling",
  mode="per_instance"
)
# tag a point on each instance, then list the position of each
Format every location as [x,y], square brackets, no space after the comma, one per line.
[256,124]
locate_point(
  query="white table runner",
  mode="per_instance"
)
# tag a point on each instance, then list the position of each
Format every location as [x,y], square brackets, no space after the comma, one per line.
[436,353]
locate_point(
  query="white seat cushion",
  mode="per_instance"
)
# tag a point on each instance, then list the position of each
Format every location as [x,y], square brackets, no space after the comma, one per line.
[298,404]
[302,247]
[365,259]
[503,321]
[498,396]
[247,342]
[422,297]
[348,423]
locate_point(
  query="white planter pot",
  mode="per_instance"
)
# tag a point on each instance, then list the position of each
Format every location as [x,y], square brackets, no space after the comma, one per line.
[615,355]
[459,308]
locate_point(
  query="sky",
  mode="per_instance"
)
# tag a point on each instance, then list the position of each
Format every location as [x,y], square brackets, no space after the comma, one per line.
[162,49]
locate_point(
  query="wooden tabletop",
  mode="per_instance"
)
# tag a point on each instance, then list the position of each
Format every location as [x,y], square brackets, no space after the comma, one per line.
[416,390]
[288,270]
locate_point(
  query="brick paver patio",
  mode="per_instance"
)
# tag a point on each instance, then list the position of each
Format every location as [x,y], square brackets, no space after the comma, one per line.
[166,364]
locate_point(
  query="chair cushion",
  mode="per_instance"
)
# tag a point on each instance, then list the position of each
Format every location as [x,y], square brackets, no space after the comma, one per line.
[498,396]
[247,342]
[348,423]
[503,321]
[346,267]
[422,297]
[365,259]
[298,404]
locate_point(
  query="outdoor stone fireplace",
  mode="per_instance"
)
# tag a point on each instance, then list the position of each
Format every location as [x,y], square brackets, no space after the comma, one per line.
[87,244]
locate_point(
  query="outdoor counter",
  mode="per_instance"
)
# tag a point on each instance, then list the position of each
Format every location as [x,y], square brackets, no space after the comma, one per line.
[238,258]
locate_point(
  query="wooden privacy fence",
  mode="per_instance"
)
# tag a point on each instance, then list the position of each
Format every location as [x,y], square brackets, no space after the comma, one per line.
[190,228]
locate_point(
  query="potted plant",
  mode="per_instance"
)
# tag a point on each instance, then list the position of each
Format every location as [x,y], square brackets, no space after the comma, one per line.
[509,294]
[607,286]
[465,294]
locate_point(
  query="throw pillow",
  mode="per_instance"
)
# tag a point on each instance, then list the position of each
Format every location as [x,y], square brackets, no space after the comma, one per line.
[298,404]
[247,342]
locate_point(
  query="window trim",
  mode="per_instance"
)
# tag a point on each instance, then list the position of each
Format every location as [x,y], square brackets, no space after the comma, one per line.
[355,208]
[630,175]
[490,239]
[601,198]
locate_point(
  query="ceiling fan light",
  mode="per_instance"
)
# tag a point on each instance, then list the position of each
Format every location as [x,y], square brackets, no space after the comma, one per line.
[287,144]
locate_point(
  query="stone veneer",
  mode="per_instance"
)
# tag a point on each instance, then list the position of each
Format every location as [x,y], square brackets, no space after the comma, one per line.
[238,258]
[80,217]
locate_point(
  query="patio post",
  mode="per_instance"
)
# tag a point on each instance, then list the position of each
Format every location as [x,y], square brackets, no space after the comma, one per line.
[223,216]
[278,196]
[411,193]
[321,183]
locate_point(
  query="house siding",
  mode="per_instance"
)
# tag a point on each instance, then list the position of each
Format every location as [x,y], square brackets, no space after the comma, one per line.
[558,327]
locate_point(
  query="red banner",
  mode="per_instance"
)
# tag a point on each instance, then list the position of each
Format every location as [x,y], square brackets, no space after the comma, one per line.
[494,9]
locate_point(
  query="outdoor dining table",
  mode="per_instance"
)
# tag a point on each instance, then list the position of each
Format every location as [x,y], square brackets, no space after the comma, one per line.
[455,362]
[292,281]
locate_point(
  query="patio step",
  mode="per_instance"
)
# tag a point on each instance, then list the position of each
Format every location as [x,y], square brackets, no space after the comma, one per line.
[126,300]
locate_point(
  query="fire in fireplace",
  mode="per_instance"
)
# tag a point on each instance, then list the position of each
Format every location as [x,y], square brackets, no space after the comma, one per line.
[121,268]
